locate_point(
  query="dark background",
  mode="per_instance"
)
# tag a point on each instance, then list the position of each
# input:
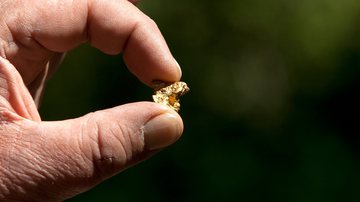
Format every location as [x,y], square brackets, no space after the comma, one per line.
[273,112]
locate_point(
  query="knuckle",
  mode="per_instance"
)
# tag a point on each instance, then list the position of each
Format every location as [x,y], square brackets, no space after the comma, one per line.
[151,23]
[112,144]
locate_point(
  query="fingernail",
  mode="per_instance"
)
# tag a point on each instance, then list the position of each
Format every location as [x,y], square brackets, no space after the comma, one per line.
[178,66]
[157,84]
[162,131]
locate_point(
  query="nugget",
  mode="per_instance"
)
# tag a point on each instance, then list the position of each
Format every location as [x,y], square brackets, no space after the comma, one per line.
[169,95]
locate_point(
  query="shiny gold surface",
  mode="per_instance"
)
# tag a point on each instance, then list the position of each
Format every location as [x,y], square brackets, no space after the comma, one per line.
[169,95]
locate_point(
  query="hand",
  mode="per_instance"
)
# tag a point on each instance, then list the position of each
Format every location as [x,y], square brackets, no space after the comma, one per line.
[52,161]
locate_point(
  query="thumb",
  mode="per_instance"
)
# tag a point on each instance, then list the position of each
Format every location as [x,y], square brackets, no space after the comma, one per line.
[57,160]
[98,145]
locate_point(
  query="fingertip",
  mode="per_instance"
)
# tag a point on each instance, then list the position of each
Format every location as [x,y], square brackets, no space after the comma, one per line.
[166,70]
[179,69]
[134,34]
[162,130]
[148,56]
[160,125]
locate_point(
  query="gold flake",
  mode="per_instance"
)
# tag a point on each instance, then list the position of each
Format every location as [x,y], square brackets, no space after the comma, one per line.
[169,95]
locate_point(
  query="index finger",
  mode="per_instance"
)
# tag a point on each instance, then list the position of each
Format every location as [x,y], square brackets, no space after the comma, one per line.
[113,26]
[118,26]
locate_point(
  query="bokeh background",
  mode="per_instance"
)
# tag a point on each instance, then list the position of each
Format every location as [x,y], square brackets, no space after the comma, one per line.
[273,112]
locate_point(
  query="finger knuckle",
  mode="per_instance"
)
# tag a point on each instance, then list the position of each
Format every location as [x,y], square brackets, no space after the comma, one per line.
[113,147]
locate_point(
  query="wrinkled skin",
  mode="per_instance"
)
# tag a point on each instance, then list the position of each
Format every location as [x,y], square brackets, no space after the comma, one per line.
[52,161]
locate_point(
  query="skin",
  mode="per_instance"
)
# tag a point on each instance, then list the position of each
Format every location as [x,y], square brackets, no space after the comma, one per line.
[52,161]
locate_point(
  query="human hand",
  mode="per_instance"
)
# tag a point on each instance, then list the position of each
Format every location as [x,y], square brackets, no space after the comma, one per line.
[52,161]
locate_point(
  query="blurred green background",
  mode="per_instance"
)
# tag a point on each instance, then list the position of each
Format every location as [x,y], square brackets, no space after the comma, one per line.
[273,110]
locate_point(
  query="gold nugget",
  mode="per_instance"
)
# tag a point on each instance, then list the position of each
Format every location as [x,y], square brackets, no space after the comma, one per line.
[169,95]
